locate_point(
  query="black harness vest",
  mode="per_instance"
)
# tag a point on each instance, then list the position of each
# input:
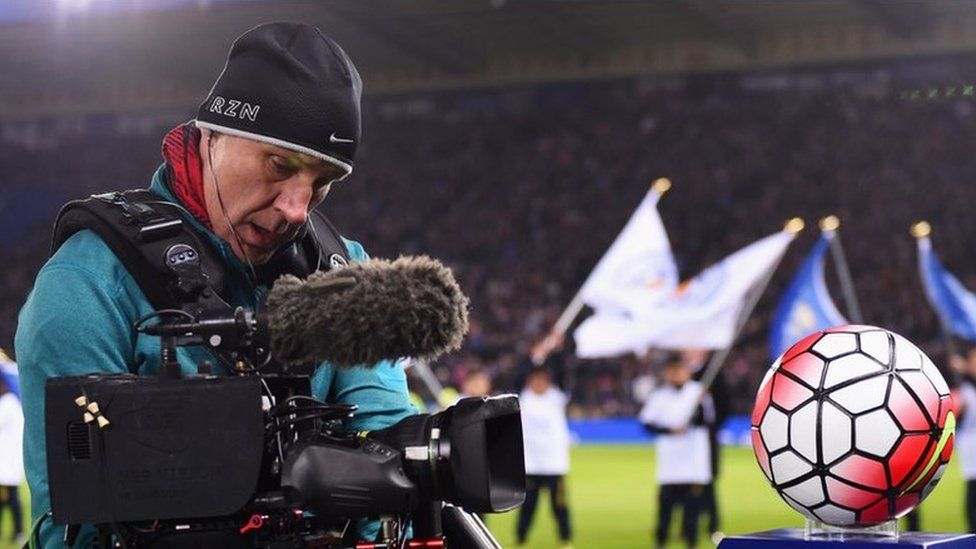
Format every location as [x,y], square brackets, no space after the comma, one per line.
[174,265]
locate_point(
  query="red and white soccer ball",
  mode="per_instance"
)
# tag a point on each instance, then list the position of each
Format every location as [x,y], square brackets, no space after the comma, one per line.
[852,426]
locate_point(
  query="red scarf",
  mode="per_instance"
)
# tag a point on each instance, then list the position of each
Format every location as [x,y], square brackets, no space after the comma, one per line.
[184,169]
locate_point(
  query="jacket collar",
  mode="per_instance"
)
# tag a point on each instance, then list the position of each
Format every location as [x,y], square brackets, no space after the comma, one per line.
[161,187]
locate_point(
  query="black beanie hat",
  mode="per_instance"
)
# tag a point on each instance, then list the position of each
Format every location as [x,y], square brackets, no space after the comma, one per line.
[289,85]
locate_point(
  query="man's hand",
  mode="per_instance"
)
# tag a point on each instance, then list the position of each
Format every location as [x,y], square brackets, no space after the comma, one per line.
[552,342]
[957,363]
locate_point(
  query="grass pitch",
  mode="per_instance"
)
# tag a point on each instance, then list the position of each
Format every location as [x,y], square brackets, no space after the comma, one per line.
[613,502]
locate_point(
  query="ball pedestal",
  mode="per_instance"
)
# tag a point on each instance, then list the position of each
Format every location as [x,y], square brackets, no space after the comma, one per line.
[817,535]
[816,529]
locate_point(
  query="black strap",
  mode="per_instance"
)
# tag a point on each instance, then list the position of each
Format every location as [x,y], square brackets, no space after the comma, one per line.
[178,268]
[173,264]
[319,246]
[332,249]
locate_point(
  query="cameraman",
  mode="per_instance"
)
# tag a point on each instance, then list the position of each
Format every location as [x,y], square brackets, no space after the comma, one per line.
[278,128]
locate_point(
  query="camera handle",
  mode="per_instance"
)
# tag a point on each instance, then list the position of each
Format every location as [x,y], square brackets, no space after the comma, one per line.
[465,530]
[427,520]
[462,530]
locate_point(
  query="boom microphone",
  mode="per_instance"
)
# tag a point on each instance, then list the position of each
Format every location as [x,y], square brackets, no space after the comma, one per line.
[359,314]
[366,312]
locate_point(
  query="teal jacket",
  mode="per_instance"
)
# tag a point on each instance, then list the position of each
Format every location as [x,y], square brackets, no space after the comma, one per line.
[78,319]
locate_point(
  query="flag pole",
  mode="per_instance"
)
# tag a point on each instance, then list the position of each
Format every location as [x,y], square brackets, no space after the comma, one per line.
[830,224]
[717,360]
[660,185]
[429,379]
[920,230]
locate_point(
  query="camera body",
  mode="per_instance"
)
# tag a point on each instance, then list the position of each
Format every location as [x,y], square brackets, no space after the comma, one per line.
[255,461]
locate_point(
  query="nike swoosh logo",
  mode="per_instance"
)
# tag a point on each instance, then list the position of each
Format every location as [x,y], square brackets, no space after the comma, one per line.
[334,139]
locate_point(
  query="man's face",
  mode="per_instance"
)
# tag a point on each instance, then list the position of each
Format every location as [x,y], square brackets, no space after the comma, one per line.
[539,382]
[266,192]
[971,362]
[476,385]
[676,374]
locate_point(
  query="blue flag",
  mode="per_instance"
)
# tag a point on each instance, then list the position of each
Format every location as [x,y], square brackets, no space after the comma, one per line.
[806,305]
[955,305]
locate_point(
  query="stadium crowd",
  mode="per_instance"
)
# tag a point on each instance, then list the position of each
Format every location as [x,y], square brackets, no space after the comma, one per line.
[520,191]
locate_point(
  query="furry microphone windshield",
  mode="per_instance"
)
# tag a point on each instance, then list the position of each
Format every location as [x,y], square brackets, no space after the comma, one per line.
[367,312]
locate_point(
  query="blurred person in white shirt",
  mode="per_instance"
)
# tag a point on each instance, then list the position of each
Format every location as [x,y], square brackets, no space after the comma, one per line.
[11,457]
[677,414]
[546,438]
[965,442]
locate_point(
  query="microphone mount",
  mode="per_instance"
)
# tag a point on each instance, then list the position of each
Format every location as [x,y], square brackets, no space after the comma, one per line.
[240,335]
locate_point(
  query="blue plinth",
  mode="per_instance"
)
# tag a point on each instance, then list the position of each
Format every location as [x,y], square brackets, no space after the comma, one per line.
[794,539]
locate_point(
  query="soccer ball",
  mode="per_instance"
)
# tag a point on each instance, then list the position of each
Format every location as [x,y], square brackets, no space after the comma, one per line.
[852,426]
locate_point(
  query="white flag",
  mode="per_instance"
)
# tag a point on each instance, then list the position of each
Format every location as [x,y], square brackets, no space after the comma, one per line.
[638,270]
[703,313]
